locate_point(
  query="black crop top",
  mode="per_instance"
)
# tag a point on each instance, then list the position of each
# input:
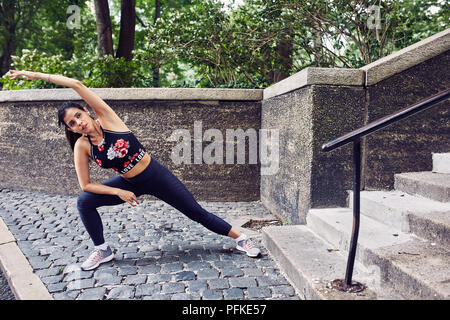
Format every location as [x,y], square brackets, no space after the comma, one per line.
[120,151]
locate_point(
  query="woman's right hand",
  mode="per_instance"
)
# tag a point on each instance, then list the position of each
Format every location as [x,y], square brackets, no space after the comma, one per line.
[127,196]
[29,75]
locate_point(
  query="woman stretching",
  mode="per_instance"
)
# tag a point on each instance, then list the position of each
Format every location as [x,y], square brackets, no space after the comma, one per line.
[111,144]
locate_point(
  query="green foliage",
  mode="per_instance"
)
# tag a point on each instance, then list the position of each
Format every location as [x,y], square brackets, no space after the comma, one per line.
[343,33]
[205,37]
[203,43]
[38,62]
[419,20]
[109,72]
[94,71]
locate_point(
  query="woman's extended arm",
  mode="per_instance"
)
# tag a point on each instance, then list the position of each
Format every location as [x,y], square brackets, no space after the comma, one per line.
[54,78]
[103,111]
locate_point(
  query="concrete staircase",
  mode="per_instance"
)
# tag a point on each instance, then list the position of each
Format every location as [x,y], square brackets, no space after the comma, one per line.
[403,247]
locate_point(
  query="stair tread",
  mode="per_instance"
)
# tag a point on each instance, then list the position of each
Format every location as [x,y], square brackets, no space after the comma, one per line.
[426,218]
[405,202]
[425,261]
[441,162]
[428,184]
[397,205]
[308,262]
[428,177]
[372,233]
[298,236]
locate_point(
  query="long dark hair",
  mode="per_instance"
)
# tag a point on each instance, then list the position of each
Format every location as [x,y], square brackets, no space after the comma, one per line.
[72,137]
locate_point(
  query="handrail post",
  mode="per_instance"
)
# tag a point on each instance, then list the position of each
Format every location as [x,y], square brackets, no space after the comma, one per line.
[355,137]
[356,209]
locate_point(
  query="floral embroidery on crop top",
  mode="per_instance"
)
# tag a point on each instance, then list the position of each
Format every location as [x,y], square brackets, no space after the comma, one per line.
[120,151]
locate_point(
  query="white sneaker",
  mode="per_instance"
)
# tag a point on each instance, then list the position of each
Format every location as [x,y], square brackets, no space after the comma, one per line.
[245,245]
[97,257]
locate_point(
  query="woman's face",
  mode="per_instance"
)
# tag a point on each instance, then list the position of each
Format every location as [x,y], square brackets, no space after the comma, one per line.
[78,121]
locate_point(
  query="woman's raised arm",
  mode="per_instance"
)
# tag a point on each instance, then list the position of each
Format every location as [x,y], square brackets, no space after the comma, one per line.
[55,78]
[100,107]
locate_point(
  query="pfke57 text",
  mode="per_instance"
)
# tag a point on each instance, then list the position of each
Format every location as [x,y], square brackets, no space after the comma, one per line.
[231,309]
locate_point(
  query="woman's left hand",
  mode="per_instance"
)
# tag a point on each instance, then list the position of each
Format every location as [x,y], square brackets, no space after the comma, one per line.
[29,75]
[127,196]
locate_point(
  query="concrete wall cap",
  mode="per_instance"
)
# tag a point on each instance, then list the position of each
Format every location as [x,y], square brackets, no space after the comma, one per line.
[311,76]
[407,57]
[210,94]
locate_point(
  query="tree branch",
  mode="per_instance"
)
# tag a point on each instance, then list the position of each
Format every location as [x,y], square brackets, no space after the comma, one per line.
[140,21]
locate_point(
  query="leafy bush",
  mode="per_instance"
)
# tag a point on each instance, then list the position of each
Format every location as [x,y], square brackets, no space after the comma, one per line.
[94,71]
[39,62]
[109,72]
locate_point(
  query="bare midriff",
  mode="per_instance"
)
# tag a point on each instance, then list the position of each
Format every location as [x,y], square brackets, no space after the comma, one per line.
[139,167]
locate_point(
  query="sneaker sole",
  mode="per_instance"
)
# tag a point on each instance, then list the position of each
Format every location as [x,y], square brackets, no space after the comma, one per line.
[107,259]
[250,255]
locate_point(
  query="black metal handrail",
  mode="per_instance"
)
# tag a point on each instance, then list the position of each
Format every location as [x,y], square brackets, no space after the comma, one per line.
[355,137]
[387,120]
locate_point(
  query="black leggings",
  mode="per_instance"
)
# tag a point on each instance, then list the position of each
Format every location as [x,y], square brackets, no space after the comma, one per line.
[155,180]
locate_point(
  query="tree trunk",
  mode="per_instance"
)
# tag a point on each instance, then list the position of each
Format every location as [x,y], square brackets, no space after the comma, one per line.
[127,29]
[8,12]
[156,80]
[5,63]
[15,18]
[318,44]
[5,59]
[284,53]
[104,29]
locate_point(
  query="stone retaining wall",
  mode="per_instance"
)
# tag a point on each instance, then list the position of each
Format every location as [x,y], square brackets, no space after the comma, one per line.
[407,146]
[36,155]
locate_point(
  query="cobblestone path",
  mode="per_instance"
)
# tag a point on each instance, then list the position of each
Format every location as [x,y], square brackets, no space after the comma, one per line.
[159,253]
